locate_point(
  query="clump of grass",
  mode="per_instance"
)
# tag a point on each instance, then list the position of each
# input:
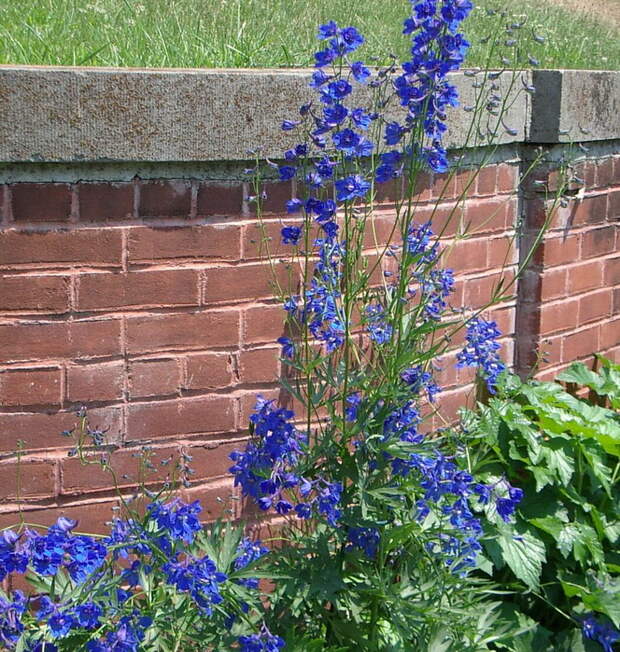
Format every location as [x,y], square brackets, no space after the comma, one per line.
[262,33]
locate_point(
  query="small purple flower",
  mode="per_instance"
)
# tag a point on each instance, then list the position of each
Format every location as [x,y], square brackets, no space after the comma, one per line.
[291,234]
[288,347]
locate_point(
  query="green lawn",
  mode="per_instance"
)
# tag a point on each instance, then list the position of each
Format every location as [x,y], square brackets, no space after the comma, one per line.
[263,33]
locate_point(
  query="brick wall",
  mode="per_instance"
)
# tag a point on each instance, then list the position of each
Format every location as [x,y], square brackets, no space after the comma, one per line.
[569,298]
[148,301]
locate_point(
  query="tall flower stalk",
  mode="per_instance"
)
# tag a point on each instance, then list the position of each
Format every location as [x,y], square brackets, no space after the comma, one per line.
[383,526]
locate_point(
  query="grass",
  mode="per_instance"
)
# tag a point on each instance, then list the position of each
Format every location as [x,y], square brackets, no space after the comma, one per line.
[264,33]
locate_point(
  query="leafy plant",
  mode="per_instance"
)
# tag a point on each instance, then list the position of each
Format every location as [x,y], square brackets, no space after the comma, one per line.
[561,446]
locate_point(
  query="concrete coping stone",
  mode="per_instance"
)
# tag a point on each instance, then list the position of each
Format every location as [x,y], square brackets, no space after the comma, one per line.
[80,115]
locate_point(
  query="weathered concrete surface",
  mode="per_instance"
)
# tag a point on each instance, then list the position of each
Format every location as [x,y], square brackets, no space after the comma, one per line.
[97,115]
[575,106]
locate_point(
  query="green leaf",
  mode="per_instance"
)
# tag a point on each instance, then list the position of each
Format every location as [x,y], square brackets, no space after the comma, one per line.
[549,524]
[566,539]
[524,554]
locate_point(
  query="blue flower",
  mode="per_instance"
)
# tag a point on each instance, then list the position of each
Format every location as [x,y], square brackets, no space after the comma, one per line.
[294,206]
[334,114]
[351,187]
[199,577]
[11,612]
[353,402]
[328,30]
[88,615]
[360,71]
[393,133]
[604,633]
[288,347]
[366,539]
[336,91]
[291,234]
[289,125]
[264,641]
[481,350]
[286,172]
[178,520]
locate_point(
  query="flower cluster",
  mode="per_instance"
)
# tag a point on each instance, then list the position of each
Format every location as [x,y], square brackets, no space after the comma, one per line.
[603,633]
[264,641]
[481,351]
[108,594]
[267,469]
[199,577]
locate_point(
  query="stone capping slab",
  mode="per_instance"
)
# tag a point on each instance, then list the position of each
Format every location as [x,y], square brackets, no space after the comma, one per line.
[73,115]
[67,114]
[575,106]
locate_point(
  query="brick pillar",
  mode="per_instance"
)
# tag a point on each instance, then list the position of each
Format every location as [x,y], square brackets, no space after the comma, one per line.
[569,296]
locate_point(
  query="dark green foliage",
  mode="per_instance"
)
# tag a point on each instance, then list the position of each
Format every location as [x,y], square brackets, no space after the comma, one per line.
[561,445]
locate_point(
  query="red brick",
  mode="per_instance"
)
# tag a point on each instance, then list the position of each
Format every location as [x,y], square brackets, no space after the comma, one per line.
[91,246]
[507,176]
[105,201]
[592,209]
[244,282]
[449,403]
[20,387]
[209,371]
[92,517]
[581,344]
[478,291]
[501,252]
[128,468]
[559,316]
[40,341]
[26,293]
[543,286]
[265,240]
[263,324]
[259,365]
[392,191]
[275,196]
[550,352]
[165,198]
[446,218]
[443,187]
[613,206]
[616,164]
[200,330]
[95,382]
[586,276]
[586,170]
[181,417]
[42,430]
[612,271]
[468,255]
[27,479]
[610,334]
[605,172]
[598,242]
[221,241]
[174,287]
[487,180]
[558,251]
[154,378]
[595,306]
[216,198]
[41,202]
[489,215]
[421,187]
[216,500]
[616,305]
[211,460]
